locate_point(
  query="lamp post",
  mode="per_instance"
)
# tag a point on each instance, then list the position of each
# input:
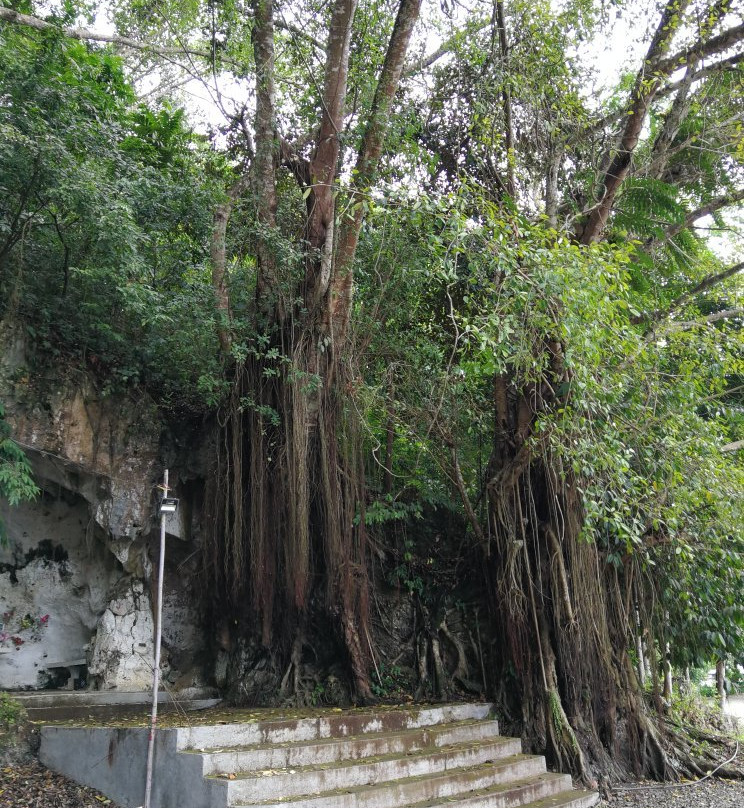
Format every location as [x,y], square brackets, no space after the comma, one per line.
[167,505]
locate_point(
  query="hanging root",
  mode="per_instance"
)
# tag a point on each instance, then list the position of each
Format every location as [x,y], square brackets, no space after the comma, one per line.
[440,674]
[566,746]
[434,679]
[462,670]
[288,480]
[562,629]
[422,648]
[296,695]
[429,647]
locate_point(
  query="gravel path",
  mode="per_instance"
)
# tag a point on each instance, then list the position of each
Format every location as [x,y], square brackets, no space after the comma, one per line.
[708,794]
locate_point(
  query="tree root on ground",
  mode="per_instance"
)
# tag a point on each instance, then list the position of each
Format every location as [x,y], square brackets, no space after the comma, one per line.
[296,694]
[683,745]
[462,670]
[439,682]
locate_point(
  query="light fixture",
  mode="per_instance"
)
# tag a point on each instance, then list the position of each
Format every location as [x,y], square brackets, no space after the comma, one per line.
[168,505]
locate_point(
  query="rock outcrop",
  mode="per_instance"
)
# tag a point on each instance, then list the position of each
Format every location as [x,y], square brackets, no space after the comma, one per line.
[80,557]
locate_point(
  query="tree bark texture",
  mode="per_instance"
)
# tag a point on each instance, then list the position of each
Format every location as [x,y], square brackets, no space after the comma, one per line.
[323,164]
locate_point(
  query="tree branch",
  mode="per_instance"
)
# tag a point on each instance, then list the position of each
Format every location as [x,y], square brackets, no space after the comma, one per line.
[712,206]
[702,48]
[707,283]
[726,314]
[672,122]
[719,131]
[299,33]
[367,162]
[733,447]
[647,83]
[663,92]
[415,67]
[86,35]
[715,317]
[683,100]
[702,73]
[462,488]
[511,186]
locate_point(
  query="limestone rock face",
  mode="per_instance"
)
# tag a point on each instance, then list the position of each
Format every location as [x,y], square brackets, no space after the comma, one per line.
[82,552]
[53,587]
[104,448]
[123,653]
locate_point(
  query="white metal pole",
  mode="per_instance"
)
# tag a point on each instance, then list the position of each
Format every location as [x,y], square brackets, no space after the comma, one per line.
[158,635]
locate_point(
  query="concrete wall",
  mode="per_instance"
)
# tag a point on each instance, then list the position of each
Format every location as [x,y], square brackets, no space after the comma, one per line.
[114,762]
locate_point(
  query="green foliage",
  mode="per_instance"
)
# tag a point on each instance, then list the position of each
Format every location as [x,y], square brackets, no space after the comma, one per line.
[486,294]
[387,509]
[159,137]
[104,219]
[735,675]
[407,574]
[648,207]
[11,713]
[389,681]
[16,480]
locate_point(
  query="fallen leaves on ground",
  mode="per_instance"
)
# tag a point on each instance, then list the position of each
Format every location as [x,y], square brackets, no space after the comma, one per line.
[30,785]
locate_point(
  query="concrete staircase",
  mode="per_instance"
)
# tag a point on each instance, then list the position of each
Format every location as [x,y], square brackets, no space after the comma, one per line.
[430,757]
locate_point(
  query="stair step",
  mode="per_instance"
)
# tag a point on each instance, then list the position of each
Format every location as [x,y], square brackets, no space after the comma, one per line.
[506,795]
[396,757]
[353,748]
[349,774]
[407,791]
[114,712]
[576,798]
[339,725]
[110,698]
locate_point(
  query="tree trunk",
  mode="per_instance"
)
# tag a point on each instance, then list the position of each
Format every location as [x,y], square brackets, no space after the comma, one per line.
[366,167]
[640,652]
[511,185]
[265,160]
[558,610]
[667,692]
[721,682]
[288,488]
[648,82]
